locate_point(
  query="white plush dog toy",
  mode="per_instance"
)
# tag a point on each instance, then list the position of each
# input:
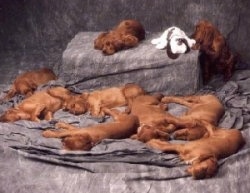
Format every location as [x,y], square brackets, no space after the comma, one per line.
[175,41]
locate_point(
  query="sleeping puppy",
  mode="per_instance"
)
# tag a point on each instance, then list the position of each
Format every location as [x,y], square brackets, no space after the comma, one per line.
[127,34]
[152,117]
[74,138]
[203,154]
[40,105]
[111,98]
[27,83]
[200,107]
[175,41]
[73,103]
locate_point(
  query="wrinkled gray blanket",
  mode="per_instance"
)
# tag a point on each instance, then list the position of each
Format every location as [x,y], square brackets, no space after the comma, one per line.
[31,163]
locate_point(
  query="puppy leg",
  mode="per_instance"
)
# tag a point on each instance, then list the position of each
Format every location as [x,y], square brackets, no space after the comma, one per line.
[56,133]
[190,133]
[48,116]
[65,126]
[183,121]
[37,112]
[113,113]
[182,100]
[130,41]
[164,146]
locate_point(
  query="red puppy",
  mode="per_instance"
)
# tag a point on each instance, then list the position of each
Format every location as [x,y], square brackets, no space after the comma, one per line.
[216,55]
[27,82]
[127,34]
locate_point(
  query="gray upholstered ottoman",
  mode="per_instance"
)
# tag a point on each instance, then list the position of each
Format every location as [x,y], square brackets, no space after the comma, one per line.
[87,68]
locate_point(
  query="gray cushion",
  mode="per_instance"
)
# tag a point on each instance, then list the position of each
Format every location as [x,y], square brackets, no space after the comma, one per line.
[87,68]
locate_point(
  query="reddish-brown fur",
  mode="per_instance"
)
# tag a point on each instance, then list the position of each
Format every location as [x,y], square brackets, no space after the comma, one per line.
[200,107]
[127,34]
[74,138]
[111,98]
[73,103]
[27,83]
[40,105]
[216,55]
[152,116]
[203,154]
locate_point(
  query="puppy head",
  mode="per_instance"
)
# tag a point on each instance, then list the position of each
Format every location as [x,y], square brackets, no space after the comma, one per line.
[76,104]
[131,90]
[78,142]
[204,169]
[14,115]
[204,32]
[59,92]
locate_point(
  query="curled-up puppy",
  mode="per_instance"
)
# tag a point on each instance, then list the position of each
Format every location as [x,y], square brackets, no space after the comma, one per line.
[126,34]
[203,154]
[74,138]
[111,98]
[152,117]
[74,103]
[215,54]
[27,83]
[175,41]
[40,105]
[200,107]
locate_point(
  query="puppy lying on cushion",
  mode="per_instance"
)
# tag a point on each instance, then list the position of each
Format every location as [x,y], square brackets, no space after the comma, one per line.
[111,98]
[175,41]
[203,154]
[28,82]
[152,117]
[74,103]
[40,105]
[74,138]
[200,107]
[216,56]
[127,34]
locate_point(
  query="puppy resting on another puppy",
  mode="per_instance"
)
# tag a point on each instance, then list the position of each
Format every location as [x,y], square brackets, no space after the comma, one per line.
[74,138]
[175,41]
[200,107]
[127,34]
[28,82]
[111,98]
[40,105]
[203,154]
[74,103]
[152,116]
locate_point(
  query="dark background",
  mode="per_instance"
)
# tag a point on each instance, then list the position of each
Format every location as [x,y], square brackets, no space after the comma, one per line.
[34,33]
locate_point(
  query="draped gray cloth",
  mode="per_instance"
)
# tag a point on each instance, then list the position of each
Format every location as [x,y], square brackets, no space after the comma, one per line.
[31,163]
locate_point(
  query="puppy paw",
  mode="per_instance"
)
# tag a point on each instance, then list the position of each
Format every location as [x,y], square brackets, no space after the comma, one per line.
[156,144]
[61,125]
[48,134]
[181,135]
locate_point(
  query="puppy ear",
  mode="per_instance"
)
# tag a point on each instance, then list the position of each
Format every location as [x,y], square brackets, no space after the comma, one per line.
[208,33]
[170,53]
